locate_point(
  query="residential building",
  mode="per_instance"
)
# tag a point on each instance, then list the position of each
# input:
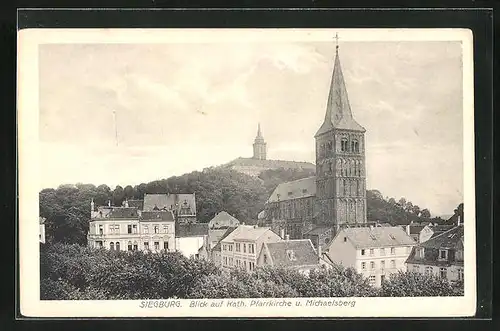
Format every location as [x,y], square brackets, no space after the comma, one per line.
[191,239]
[336,196]
[320,236]
[241,247]
[295,254]
[41,229]
[223,220]
[183,205]
[375,252]
[216,251]
[442,255]
[127,229]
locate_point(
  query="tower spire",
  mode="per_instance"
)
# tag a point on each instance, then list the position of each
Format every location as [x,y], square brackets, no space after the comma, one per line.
[259,145]
[338,109]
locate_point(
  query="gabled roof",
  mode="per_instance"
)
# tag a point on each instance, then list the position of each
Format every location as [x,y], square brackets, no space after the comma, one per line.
[223,219]
[338,110]
[247,233]
[155,201]
[139,204]
[291,253]
[191,230]
[169,201]
[446,239]
[157,216]
[375,237]
[301,188]
[227,233]
[416,229]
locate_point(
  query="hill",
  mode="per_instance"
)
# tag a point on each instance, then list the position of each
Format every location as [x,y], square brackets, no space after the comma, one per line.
[67,208]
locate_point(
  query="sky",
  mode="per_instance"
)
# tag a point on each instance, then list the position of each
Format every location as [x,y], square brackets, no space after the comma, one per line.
[121,114]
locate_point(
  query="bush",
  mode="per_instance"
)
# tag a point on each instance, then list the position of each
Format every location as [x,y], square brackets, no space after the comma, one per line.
[404,284]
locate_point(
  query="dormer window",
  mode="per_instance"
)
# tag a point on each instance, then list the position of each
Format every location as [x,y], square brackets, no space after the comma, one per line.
[291,255]
[443,254]
[420,253]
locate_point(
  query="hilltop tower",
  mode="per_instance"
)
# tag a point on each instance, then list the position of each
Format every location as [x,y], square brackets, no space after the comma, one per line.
[259,146]
[340,159]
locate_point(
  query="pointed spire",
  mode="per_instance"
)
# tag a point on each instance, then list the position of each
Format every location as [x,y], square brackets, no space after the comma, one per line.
[259,137]
[259,133]
[338,110]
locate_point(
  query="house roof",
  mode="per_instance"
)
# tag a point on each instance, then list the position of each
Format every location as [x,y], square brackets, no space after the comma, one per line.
[223,219]
[416,229]
[301,188]
[247,233]
[374,237]
[123,212]
[215,235]
[251,162]
[169,201]
[292,253]
[191,230]
[157,215]
[227,233]
[320,229]
[139,204]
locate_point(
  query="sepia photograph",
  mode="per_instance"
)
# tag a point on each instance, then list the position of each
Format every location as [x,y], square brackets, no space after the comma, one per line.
[246,172]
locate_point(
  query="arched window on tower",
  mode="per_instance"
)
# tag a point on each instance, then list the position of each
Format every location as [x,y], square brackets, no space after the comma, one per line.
[344,145]
[355,146]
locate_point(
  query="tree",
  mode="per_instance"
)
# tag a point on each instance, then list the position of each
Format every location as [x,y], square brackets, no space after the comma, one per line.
[426,214]
[118,195]
[404,284]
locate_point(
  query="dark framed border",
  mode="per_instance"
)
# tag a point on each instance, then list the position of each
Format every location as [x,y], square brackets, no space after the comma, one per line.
[478,20]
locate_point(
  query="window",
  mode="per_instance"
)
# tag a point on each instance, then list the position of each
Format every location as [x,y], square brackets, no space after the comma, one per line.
[382,265]
[251,248]
[244,248]
[165,228]
[100,229]
[420,252]
[344,145]
[345,239]
[245,264]
[238,248]
[251,266]
[460,274]
[372,251]
[443,273]
[146,229]
[129,246]
[224,260]
[382,278]
[146,245]
[393,264]
[291,255]
[117,246]
[363,265]
[382,251]
[265,259]
[156,229]
[230,261]
[134,228]
[129,228]
[372,280]
[157,246]
[362,252]
[416,268]
[443,254]
[112,246]
[230,248]
[372,265]
[393,250]
[428,271]
[135,247]
[98,244]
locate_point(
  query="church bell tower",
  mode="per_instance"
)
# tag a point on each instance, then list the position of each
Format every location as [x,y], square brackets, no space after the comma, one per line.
[259,146]
[340,159]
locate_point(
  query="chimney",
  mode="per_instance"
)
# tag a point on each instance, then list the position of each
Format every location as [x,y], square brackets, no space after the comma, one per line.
[282,233]
[371,227]
[126,203]
[109,203]
[319,251]
[287,237]
[408,229]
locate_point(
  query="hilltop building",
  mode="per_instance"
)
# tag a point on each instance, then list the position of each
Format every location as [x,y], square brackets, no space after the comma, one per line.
[442,255]
[375,252]
[258,163]
[336,196]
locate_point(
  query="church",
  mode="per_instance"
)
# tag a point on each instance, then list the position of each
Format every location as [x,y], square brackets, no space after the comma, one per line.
[317,207]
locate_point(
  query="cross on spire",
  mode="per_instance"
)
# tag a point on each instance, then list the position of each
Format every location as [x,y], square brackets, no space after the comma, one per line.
[336,40]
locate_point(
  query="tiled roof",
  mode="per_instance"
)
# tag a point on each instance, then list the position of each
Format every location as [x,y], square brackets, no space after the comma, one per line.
[169,201]
[338,110]
[227,233]
[123,212]
[157,215]
[374,237]
[416,229]
[247,233]
[251,162]
[215,235]
[139,204]
[191,230]
[318,230]
[442,228]
[301,188]
[223,219]
[452,239]
[292,253]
